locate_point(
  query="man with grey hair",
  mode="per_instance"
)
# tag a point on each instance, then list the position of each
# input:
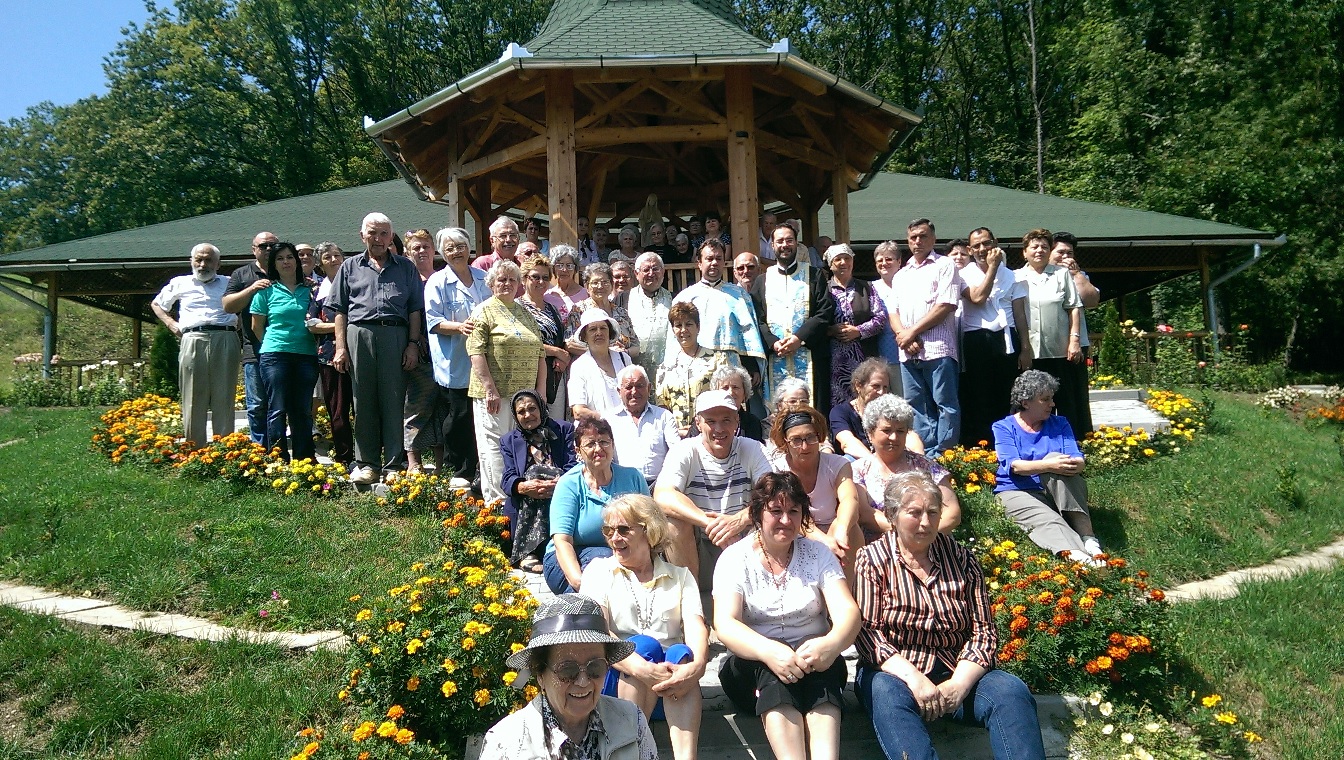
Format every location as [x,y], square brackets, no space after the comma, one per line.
[647,303]
[207,360]
[504,239]
[766,245]
[378,299]
[643,432]
[245,282]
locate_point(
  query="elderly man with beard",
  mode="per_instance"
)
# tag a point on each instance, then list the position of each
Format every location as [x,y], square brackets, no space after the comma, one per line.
[378,298]
[795,310]
[207,360]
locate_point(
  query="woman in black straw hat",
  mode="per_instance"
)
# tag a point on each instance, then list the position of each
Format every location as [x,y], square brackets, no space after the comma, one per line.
[569,653]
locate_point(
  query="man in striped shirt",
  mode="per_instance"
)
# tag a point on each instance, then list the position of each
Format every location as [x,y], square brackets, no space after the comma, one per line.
[705,483]
[926,292]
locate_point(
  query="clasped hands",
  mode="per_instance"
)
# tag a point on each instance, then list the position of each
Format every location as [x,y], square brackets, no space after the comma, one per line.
[789,665]
[935,701]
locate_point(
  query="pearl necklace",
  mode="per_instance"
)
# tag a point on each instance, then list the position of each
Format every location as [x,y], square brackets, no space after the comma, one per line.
[643,613]
[779,579]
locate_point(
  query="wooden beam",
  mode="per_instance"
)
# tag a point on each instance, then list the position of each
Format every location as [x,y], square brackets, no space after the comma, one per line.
[785,189]
[474,147]
[859,125]
[743,202]
[814,130]
[562,185]
[792,149]
[613,104]
[803,81]
[518,118]
[685,98]
[636,73]
[137,337]
[478,199]
[785,89]
[840,203]
[595,136]
[534,146]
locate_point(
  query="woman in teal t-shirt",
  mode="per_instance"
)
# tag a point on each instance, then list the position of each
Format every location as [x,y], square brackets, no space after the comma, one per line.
[288,354]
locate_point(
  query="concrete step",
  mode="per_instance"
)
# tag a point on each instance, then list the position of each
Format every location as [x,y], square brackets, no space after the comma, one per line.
[1118,394]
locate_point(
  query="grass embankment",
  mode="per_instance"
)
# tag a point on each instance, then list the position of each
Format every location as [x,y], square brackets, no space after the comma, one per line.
[71,520]
[67,692]
[1219,504]
[1276,651]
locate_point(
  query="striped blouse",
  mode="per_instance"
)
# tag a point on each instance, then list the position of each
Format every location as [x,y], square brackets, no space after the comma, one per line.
[943,621]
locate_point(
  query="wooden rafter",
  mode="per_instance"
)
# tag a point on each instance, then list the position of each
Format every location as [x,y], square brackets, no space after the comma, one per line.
[534,146]
[474,147]
[684,96]
[615,103]
[820,106]
[815,131]
[793,149]
[518,118]
[602,136]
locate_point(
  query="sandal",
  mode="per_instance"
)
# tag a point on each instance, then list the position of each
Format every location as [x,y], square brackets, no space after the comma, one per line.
[530,565]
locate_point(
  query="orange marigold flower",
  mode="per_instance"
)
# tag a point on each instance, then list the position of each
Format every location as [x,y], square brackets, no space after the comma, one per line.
[404,736]
[1157,595]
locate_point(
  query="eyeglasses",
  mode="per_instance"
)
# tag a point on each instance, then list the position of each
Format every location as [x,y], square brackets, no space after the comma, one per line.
[569,671]
[265,246]
[564,266]
[803,441]
[538,277]
[624,531]
[456,247]
[507,236]
[593,444]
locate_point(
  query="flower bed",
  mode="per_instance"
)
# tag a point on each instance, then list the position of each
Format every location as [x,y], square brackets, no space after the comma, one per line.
[142,431]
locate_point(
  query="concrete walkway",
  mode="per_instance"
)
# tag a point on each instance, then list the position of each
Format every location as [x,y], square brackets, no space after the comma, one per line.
[1229,584]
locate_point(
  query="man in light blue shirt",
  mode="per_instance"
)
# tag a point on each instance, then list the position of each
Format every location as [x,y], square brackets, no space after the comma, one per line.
[450,295]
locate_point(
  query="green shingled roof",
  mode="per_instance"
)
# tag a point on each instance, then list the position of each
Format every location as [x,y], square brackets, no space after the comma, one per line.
[883,209]
[591,28]
[877,213]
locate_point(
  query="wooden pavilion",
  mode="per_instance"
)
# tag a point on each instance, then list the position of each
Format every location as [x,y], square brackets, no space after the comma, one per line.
[607,106]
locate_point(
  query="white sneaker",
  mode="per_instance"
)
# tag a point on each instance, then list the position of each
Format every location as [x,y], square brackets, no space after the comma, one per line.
[1083,558]
[363,475]
[459,483]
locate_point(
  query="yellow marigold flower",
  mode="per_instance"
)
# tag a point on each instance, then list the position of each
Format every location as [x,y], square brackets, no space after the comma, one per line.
[310,748]
[481,697]
[414,646]
[468,643]
[363,615]
[396,626]
[449,665]
[515,648]
[404,736]
[509,677]
[1212,700]
[387,728]
[449,688]
[343,695]
[529,692]
[395,712]
[1252,737]
[364,731]
[413,683]
[1229,717]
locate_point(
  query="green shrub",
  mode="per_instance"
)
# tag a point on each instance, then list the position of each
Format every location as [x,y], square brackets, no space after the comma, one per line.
[163,364]
[1115,357]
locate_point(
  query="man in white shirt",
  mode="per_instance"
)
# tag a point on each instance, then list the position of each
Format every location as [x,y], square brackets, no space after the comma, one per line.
[705,485]
[766,248]
[1064,253]
[926,291]
[207,360]
[993,303]
[642,431]
[647,303]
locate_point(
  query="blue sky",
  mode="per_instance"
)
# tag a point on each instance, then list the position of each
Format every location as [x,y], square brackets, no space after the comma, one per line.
[56,48]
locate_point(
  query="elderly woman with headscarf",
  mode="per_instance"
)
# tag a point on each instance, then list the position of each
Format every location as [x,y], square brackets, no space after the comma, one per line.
[507,356]
[887,421]
[569,654]
[536,453]
[576,506]
[860,316]
[656,606]
[1040,475]
[928,642]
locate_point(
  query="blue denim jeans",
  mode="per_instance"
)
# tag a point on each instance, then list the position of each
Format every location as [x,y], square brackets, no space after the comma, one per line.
[254,398]
[289,379]
[555,577]
[931,388]
[999,702]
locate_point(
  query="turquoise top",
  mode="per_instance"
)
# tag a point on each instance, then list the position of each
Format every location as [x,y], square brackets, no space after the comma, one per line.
[286,312]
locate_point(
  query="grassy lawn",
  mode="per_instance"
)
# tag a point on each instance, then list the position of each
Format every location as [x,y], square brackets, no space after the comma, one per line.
[1276,653]
[70,692]
[70,520]
[1215,507]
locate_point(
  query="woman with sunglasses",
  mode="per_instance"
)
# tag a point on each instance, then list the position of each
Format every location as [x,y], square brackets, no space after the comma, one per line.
[577,502]
[656,606]
[569,654]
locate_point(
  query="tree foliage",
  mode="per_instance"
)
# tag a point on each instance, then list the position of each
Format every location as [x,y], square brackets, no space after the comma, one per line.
[1228,110]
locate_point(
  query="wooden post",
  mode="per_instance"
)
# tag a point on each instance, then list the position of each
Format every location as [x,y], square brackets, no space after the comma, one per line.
[743,203]
[137,334]
[483,218]
[49,323]
[562,182]
[1204,291]
[840,204]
